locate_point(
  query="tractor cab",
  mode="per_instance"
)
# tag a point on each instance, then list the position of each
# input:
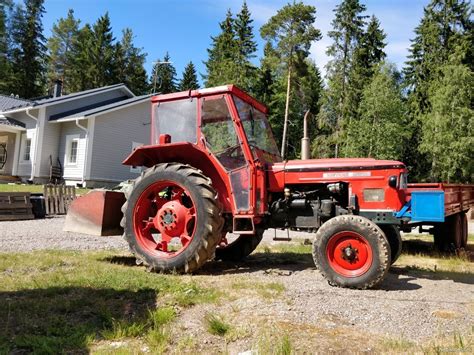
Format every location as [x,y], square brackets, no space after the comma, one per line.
[223,126]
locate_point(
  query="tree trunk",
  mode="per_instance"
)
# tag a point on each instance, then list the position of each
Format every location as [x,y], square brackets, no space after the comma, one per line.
[287,109]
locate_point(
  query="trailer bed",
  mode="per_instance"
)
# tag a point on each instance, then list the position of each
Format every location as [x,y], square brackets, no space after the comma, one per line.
[457,197]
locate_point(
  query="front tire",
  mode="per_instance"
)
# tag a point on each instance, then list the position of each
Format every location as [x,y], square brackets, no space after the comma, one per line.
[172,219]
[351,251]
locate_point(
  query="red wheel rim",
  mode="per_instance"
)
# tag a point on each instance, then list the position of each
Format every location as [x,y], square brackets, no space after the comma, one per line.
[349,254]
[164,219]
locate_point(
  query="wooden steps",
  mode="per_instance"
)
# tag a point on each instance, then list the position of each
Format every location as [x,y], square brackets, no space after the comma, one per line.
[15,206]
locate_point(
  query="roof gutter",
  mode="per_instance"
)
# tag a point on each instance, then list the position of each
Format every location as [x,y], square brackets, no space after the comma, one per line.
[33,165]
[85,153]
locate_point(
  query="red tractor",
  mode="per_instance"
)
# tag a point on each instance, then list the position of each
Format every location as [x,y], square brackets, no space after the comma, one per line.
[214,169]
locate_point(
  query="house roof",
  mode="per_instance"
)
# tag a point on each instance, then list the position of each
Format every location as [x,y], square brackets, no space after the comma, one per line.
[96,111]
[11,102]
[48,101]
[25,104]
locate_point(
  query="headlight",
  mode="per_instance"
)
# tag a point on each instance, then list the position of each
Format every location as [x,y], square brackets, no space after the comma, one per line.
[374,195]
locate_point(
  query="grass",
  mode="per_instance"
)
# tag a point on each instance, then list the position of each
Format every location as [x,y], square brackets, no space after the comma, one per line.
[216,325]
[57,301]
[266,290]
[33,188]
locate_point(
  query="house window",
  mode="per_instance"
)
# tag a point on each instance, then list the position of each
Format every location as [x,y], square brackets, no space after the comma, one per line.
[73,152]
[26,152]
[72,149]
[136,169]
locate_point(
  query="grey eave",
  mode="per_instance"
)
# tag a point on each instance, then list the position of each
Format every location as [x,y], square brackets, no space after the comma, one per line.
[11,122]
[10,102]
[104,109]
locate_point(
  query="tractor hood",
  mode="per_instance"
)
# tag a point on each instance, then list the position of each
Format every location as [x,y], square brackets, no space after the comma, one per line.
[336,165]
[316,171]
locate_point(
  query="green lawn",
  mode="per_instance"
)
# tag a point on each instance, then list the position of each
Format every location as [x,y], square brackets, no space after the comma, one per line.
[67,301]
[102,303]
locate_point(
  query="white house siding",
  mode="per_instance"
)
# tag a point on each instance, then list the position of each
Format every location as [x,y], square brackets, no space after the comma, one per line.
[72,172]
[114,134]
[50,146]
[24,168]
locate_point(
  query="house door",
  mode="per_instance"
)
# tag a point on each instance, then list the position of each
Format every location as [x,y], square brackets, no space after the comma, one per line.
[3,153]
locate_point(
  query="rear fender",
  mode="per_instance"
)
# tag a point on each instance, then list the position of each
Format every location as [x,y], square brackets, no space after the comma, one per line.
[185,153]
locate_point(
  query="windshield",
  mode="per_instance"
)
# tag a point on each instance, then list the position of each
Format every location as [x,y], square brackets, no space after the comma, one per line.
[256,127]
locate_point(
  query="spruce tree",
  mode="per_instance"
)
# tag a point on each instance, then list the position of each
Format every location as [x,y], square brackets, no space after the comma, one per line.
[103,66]
[29,50]
[60,46]
[83,67]
[129,63]
[348,29]
[368,54]
[221,66]
[5,64]
[163,78]
[189,80]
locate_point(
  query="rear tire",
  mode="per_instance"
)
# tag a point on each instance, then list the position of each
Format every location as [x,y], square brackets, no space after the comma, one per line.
[240,248]
[465,230]
[394,238]
[449,236]
[172,218]
[351,251]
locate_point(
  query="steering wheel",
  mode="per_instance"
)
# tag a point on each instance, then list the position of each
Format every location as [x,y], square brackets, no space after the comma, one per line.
[229,150]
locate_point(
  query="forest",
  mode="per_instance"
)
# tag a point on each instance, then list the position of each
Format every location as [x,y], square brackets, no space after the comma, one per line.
[364,106]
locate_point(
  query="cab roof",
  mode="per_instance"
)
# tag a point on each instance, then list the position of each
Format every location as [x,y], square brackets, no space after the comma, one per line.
[218,90]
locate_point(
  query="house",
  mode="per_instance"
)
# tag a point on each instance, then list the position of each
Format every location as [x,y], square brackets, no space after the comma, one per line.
[87,134]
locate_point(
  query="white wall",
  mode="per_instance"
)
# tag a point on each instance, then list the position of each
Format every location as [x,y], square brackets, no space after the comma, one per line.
[114,134]
[24,168]
[72,171]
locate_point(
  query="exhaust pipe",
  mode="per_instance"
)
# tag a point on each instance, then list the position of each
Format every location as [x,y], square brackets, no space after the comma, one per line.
[305,154]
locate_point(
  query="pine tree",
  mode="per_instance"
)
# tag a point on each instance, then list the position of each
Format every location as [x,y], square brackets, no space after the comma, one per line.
[130,63]
[348,29]
[102,53]
[189,80]
[29,50]
[164,76]
[60,45]
[5,64]
[290,34]
[381,130]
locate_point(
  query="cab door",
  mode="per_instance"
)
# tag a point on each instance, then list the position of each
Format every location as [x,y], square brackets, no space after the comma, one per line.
[225,142]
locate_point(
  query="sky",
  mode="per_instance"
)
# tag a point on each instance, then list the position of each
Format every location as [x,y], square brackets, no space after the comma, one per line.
[184,27]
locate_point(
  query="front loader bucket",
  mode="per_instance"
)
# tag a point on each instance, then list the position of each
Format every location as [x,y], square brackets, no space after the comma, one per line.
[97,213]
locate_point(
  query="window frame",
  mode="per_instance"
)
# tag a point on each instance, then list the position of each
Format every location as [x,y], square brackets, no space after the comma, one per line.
[24,141]
[69,141]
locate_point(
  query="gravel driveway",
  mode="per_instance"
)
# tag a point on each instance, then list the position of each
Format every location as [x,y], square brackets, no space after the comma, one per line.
[412,305]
